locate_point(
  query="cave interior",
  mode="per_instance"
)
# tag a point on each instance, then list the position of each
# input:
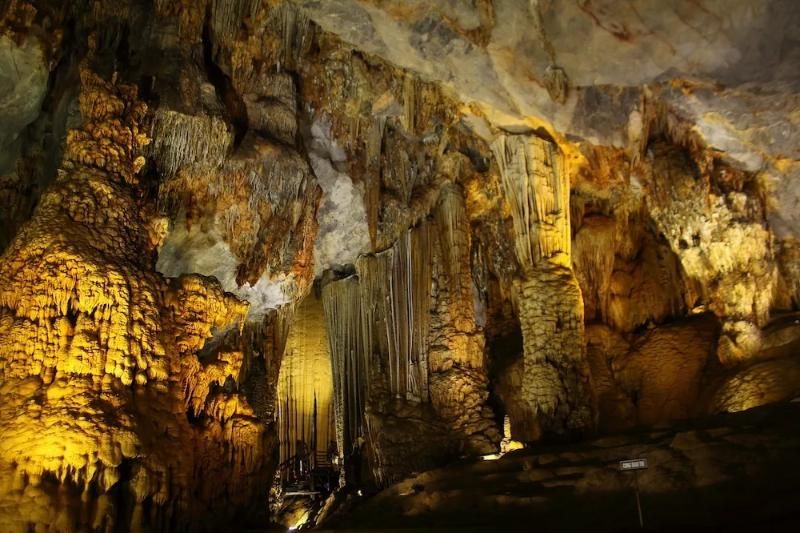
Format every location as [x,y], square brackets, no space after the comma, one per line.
[399,265]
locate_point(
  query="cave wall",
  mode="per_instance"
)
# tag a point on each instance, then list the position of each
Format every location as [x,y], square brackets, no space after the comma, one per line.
[101,353]
[497,223]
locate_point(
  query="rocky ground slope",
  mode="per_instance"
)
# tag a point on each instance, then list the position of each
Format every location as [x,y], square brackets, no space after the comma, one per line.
[733,472]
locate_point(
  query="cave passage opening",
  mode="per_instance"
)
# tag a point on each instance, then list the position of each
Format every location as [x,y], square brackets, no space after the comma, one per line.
[309,454]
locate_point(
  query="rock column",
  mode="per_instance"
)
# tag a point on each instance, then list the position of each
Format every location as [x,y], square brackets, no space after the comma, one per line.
[556,388]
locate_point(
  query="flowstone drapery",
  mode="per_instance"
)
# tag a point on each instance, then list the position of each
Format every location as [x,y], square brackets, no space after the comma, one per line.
[400,355]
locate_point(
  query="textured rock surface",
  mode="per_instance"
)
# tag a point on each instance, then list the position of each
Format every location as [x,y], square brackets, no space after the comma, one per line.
[99,352]
[305,387]
[728,472]
[579,216]
[555,381]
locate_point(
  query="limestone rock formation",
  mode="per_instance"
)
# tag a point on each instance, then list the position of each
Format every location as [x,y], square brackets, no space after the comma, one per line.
[555,379]
[247,239]
[100,353]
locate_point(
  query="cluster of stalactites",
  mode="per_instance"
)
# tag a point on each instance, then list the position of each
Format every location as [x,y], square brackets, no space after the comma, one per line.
[627,276]
[112,136]
[263,201]
[227,15]
[181,140]
[378,323]
[349,360]
[395,298]
[372,196]
[305,387]
[452,219]
[231,437]
[537,189]
[198,378]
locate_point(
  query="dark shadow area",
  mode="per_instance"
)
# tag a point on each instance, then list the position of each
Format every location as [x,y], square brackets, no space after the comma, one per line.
[579,487]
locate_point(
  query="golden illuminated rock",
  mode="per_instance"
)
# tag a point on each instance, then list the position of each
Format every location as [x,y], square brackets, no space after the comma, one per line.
[99,352]
[498,222]
[555,381]
[305,387]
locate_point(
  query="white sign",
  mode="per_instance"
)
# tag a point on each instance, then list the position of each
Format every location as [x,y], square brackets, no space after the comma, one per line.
[633,464]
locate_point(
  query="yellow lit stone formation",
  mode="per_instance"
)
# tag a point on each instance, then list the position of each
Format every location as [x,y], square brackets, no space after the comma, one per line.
[555,382]
[401,348]
[99,354]
[305,387]
[241,238]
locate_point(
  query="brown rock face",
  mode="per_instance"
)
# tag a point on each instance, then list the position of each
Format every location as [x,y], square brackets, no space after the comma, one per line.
[572,218]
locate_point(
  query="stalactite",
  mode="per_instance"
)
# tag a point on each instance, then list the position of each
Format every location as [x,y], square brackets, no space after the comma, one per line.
[395,291]
[305,388]
[479,270]
[374,275]
[539,202]
[227,16]
[452,218]
[419,294]
[180,140]
[372,194]
[402,171]
[409,102]
[594,263]
[297,33]
[342,304]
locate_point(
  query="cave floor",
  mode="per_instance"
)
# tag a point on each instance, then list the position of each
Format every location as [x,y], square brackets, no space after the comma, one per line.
[730,472]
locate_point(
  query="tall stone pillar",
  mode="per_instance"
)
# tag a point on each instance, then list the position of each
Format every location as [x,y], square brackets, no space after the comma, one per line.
[556,389]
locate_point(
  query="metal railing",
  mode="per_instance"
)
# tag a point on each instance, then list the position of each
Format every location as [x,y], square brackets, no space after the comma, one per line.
[308,474]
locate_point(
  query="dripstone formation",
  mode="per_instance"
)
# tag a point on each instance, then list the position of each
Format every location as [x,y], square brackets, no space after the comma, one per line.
[232,230]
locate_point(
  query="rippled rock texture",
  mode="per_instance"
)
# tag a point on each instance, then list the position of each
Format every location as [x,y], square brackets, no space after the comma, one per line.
[581,215]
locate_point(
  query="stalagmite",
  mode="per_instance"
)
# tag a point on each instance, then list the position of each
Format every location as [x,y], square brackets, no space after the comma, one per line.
[459,386]
[555,382]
